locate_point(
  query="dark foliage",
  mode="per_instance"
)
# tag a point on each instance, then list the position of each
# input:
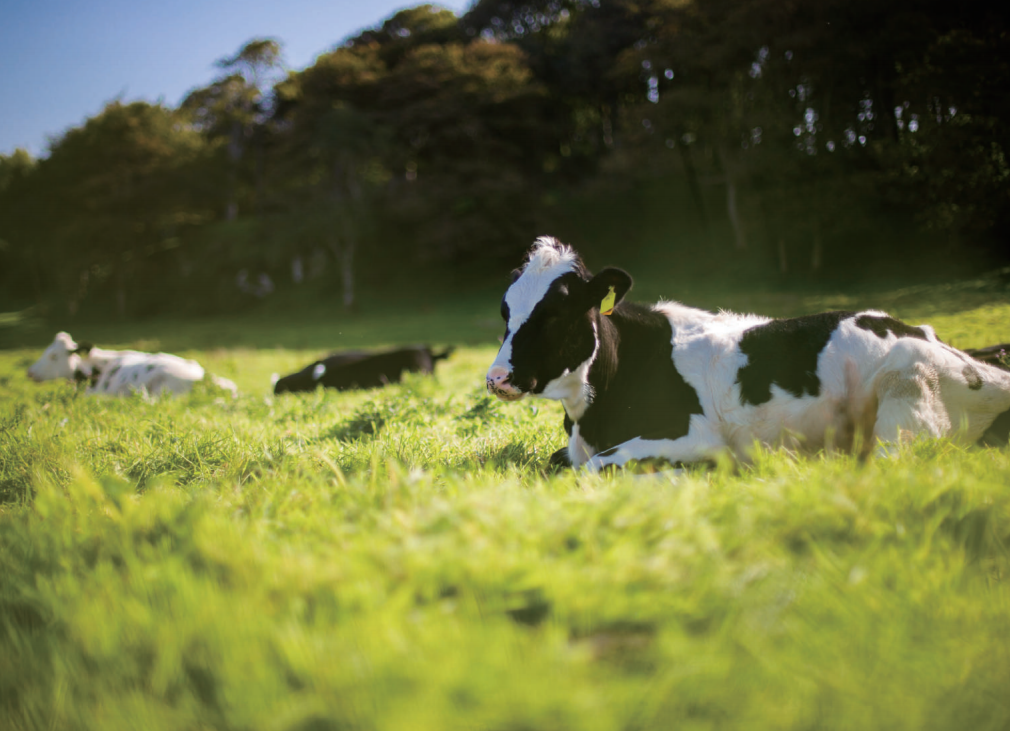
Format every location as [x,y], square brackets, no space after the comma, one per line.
[796,138]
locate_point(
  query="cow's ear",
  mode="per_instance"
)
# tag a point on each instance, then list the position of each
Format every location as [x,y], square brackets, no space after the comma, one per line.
[83,348]
[607,288]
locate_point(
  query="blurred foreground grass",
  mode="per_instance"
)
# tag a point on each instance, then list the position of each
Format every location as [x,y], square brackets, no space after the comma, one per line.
[395,559]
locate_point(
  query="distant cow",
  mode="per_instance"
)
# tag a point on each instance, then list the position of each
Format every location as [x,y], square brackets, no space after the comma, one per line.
[998,434]
[684,385]
[119,372]
[361,369]
[994,355]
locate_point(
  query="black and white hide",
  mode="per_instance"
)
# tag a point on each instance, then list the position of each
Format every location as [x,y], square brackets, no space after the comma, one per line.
[683,385]
[361,369]
[120,372]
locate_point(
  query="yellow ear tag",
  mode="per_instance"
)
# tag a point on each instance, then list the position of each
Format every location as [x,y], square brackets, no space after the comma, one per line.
[607,305]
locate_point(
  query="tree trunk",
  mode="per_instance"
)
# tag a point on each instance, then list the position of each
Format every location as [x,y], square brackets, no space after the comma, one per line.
[347,196]
[733,213]
[120,292]
[33,263]
[817,245]
[260,178]
[342,247]
[730,169]
[606,126]
[235,155]
[693,185]
[333,244]
[347,275]
[884,104]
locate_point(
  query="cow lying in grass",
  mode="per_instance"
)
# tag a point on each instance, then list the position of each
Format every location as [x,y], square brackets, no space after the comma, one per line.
[119,372]
[360,369]
[683,385]
[994,355]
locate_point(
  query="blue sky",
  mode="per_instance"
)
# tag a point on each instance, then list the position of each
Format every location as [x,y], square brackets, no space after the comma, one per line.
[62,60]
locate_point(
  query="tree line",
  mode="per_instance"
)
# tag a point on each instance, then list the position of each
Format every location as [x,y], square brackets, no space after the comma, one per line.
[798,136]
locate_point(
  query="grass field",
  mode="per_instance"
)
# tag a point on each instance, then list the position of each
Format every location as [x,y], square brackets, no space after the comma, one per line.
[396,559]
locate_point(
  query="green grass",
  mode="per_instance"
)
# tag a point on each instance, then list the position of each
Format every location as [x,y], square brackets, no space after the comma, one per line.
[396,559]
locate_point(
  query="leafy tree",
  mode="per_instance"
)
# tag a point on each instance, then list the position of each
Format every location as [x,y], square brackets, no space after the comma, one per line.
[13,167]
[817,122]
[16,203]
[255,62]
[330,152]
[448,134]
[236,109]
[573,47]
[805,108]
[118,189]
[476,127]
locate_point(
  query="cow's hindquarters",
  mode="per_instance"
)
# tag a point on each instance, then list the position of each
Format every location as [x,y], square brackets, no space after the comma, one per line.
[928,388]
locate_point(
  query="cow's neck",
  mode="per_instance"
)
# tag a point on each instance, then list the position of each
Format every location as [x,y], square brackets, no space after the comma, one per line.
[608,336]
[572,388]
[578,389]
[629,321]
[99,358]
[92,364]
[637,389]
[594,376]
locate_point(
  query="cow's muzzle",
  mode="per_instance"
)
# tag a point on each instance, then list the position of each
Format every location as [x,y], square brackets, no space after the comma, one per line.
[499,384]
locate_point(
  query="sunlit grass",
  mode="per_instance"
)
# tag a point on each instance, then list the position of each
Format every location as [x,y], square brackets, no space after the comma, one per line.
[397,559]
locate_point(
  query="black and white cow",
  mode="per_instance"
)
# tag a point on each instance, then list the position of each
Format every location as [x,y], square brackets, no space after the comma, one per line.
[120,372]
[362,369]
[680,384]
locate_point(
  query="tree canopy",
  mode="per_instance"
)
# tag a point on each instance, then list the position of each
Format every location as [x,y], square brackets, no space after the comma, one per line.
[791,134]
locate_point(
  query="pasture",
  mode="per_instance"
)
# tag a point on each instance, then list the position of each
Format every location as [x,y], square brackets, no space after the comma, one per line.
[397,559]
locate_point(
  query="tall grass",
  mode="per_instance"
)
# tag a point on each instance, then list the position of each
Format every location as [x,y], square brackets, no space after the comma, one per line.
[397,559]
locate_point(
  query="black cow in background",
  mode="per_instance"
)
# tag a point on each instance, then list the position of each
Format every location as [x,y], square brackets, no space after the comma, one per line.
[994,355]
[998,434]
[361,369]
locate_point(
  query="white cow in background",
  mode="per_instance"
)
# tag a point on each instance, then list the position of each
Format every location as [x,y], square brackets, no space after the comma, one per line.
[120,372]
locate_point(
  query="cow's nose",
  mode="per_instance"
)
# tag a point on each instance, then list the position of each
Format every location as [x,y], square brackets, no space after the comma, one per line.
[497,375]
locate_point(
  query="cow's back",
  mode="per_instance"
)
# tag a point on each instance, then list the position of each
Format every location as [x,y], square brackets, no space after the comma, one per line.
[154,372]
[758,380]
[379,369]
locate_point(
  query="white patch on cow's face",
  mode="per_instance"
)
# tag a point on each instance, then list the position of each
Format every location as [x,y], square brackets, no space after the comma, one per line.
[319,371]
[549,261]
[58,360]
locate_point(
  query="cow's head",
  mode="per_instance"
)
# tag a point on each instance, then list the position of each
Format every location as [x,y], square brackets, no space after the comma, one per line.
[550,312]
[62,359]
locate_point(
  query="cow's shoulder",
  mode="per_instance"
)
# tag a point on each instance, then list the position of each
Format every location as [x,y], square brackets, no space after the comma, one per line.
[646,395]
